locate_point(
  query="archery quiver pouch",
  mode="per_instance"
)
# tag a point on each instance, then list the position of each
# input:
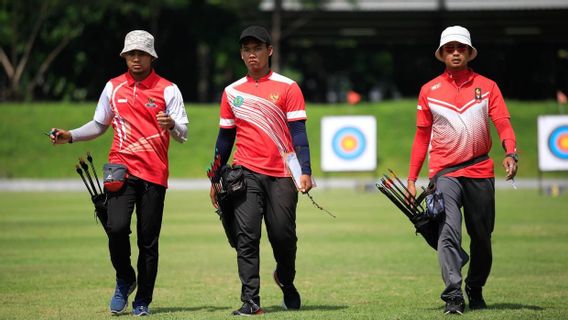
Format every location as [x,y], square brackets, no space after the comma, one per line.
[435,207]
[233,180]
[115,175]
[233,186]
[100,202]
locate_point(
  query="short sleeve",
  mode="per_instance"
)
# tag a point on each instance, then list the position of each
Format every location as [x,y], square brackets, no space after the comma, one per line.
[104,113]
[174,104]
[295,104]
[226,117]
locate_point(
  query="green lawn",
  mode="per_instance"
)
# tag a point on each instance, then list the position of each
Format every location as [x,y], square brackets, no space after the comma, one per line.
[25,152]
[365,264]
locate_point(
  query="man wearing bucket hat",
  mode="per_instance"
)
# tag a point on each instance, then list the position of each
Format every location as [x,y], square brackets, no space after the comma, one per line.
[145,110]
[265,112]
[453,119]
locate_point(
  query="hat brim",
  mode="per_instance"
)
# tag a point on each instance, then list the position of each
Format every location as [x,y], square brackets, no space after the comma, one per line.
[131,48]
[439,56]
[255,38]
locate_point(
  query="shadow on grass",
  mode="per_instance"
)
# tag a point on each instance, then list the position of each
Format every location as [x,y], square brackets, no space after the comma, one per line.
[271,309]
[186,309]
[278,308]
[500,306]
[513,306]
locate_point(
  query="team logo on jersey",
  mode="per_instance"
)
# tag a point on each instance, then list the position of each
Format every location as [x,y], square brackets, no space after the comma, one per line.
[274,97]
[238,101]
[478,94]
[150,103]
[436,86]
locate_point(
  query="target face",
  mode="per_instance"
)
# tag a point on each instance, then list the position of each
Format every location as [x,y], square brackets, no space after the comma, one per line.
[558,142]
[553,143]
[348,143]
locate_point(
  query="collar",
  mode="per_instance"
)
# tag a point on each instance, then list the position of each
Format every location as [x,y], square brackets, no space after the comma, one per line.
[148,82]
[459,77]
[265,78]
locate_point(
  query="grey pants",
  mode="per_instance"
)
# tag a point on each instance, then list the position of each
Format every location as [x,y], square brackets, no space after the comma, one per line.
[477,197]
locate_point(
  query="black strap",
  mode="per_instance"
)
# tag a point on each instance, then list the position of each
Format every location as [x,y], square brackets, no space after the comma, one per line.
[459,166]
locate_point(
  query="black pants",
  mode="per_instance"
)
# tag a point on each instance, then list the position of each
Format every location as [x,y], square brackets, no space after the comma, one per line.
[148,198]
[275,199]
[477,198]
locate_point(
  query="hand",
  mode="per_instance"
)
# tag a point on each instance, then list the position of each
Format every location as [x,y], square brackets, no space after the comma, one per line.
[306,183]
[165,121]
[411,186]
[59,136]
[212,195]
[510,166]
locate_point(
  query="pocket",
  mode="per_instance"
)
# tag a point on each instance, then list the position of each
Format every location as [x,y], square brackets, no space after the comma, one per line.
[115,175]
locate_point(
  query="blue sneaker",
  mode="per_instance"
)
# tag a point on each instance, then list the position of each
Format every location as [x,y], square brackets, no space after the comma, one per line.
[140,311]
[119,301]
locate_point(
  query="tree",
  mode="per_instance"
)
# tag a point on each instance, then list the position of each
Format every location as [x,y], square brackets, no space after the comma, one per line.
[33,34]
[312,7]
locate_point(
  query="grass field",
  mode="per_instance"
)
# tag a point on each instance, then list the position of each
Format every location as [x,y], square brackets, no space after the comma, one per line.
[25,152]
[365,264]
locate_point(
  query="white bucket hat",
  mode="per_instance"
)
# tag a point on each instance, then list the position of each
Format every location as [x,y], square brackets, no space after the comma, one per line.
[459,34]
[139,40]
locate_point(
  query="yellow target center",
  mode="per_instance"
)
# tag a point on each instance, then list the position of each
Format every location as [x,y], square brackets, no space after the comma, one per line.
[349,143]
[563,143]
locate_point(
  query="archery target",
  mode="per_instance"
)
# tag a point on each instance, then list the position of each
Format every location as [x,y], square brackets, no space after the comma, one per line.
[348,143]
[558,142]
[553,143]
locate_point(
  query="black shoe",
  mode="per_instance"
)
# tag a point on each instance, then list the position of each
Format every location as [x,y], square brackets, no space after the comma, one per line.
[249,308]
[292,299]
[475,297]
[454,306]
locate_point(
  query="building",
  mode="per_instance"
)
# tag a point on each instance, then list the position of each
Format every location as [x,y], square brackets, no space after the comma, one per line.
[385,49]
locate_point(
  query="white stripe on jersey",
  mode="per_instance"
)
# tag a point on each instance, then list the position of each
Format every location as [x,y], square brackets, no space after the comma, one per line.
[261,113]
[300,114]
[226,122]
[466,133]
[119,122]
[458,109]
[280,78]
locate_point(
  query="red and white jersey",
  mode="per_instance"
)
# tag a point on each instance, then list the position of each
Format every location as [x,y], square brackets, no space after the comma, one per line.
[459,117]
[260,110]
[139,141]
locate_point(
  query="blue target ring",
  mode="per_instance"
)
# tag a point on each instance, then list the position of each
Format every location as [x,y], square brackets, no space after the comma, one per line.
[349,143]
[558,142]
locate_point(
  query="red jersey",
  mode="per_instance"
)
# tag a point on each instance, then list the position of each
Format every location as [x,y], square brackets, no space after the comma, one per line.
[139,141]
[260,110]
[459,118]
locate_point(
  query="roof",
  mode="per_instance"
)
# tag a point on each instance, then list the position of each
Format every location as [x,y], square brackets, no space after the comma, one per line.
[419,5]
